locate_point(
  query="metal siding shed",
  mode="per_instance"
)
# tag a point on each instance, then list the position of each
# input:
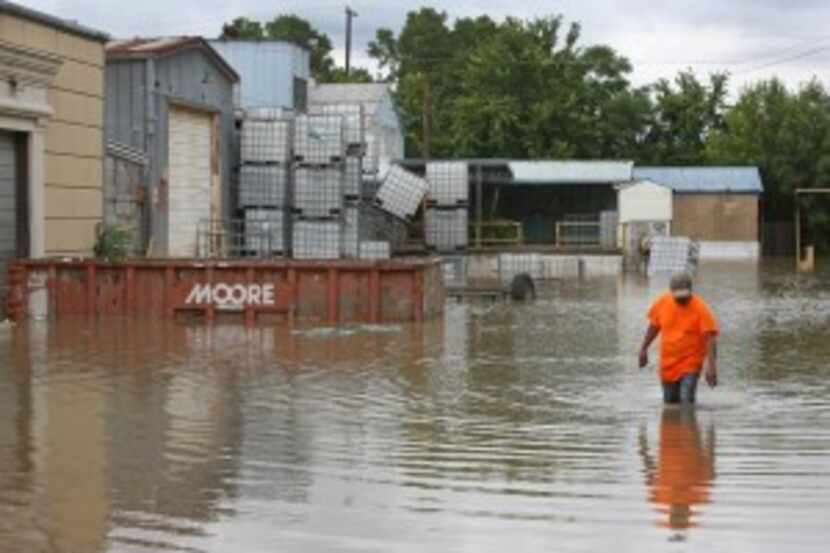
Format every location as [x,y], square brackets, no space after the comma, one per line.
[704,180]
[570,172]
[146,79]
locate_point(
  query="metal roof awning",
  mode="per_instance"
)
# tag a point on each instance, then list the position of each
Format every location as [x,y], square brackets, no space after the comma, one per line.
[570,172]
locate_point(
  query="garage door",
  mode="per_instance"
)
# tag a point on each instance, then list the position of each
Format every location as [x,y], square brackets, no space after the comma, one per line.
[8,210]
[190,179]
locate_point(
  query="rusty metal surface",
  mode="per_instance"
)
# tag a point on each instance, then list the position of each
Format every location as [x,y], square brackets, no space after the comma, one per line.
[336,292]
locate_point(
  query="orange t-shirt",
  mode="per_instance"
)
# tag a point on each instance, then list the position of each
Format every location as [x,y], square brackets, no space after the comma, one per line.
[682,328]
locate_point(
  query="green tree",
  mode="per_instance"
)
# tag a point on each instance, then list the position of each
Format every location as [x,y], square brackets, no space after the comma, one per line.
[529,90]
[356,75]
[417,60]
[516,88]
[686,112]
[787,135]
[289,28]
[242,28]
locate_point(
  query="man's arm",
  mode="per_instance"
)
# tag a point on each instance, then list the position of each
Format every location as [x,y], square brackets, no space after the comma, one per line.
[651,334]
[711,339]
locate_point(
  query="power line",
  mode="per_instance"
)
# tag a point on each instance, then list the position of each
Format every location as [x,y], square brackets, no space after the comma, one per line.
[808,53]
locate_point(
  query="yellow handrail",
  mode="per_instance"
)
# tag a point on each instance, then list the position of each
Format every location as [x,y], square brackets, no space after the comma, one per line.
[514,232]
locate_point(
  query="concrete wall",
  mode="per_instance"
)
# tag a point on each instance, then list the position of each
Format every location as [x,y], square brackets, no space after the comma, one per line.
[730,251]
[716,217]
[74,145]
[503,267]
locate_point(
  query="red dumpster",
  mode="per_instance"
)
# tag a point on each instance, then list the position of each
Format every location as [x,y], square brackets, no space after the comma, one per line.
[331,292]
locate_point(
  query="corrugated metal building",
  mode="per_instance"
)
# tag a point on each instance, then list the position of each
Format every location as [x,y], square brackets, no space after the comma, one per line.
[169,103]
[51,135]
[561,202]
[273,74]
[717,206]
[384,130]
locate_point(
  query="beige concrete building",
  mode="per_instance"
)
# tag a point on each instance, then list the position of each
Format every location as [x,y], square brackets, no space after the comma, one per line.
[51,135]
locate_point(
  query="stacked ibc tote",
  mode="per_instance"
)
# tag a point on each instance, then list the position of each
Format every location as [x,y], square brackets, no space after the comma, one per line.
[446,219]
[319,175]
[265,191]
[301,187]
[353,224]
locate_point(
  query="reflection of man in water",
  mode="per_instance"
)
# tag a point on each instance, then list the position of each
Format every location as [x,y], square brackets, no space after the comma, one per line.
[684,471]
[688,332]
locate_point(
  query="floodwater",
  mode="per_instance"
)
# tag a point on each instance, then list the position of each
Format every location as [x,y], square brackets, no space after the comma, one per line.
[502,428]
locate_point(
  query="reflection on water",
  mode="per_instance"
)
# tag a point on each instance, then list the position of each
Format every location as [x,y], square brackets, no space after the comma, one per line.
[501,427]
[680,477]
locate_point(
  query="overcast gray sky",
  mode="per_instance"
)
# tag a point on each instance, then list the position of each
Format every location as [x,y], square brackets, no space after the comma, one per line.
[751,38]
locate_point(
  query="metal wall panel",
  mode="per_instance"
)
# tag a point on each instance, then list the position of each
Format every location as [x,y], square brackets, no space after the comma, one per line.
[125,112]
[8,207]
[266,69]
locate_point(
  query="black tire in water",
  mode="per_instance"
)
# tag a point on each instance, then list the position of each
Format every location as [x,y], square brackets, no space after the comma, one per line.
[522,288]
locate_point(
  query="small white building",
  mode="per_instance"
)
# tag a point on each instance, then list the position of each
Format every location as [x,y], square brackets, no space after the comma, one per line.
[645,210]
[384,130]
[645,201]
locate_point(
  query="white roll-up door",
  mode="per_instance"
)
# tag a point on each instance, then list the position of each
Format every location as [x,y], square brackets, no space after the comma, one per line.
[8,209]
[189,199]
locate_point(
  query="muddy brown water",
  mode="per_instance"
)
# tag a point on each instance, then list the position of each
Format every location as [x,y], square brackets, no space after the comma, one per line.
[502,428]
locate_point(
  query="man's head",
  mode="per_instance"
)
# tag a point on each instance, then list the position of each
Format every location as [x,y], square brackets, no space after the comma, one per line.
[681,287]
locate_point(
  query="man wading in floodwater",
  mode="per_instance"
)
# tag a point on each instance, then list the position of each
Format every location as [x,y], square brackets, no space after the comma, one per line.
[688,337]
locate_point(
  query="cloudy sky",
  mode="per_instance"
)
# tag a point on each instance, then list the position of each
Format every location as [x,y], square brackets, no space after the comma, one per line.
[753,39]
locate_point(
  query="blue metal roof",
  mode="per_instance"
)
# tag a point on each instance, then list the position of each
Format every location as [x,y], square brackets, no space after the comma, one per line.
[741,180]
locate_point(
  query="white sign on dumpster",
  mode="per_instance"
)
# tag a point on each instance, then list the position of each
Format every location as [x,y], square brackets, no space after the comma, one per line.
[232,296]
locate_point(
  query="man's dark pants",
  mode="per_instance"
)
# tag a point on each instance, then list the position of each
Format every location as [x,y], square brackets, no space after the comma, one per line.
[682,391]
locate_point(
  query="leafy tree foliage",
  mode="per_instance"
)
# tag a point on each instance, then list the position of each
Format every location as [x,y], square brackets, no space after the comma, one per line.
[512,89]
[356,75]
[685,114]
[787,135]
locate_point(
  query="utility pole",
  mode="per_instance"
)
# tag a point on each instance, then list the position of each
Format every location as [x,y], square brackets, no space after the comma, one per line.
[350,14]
